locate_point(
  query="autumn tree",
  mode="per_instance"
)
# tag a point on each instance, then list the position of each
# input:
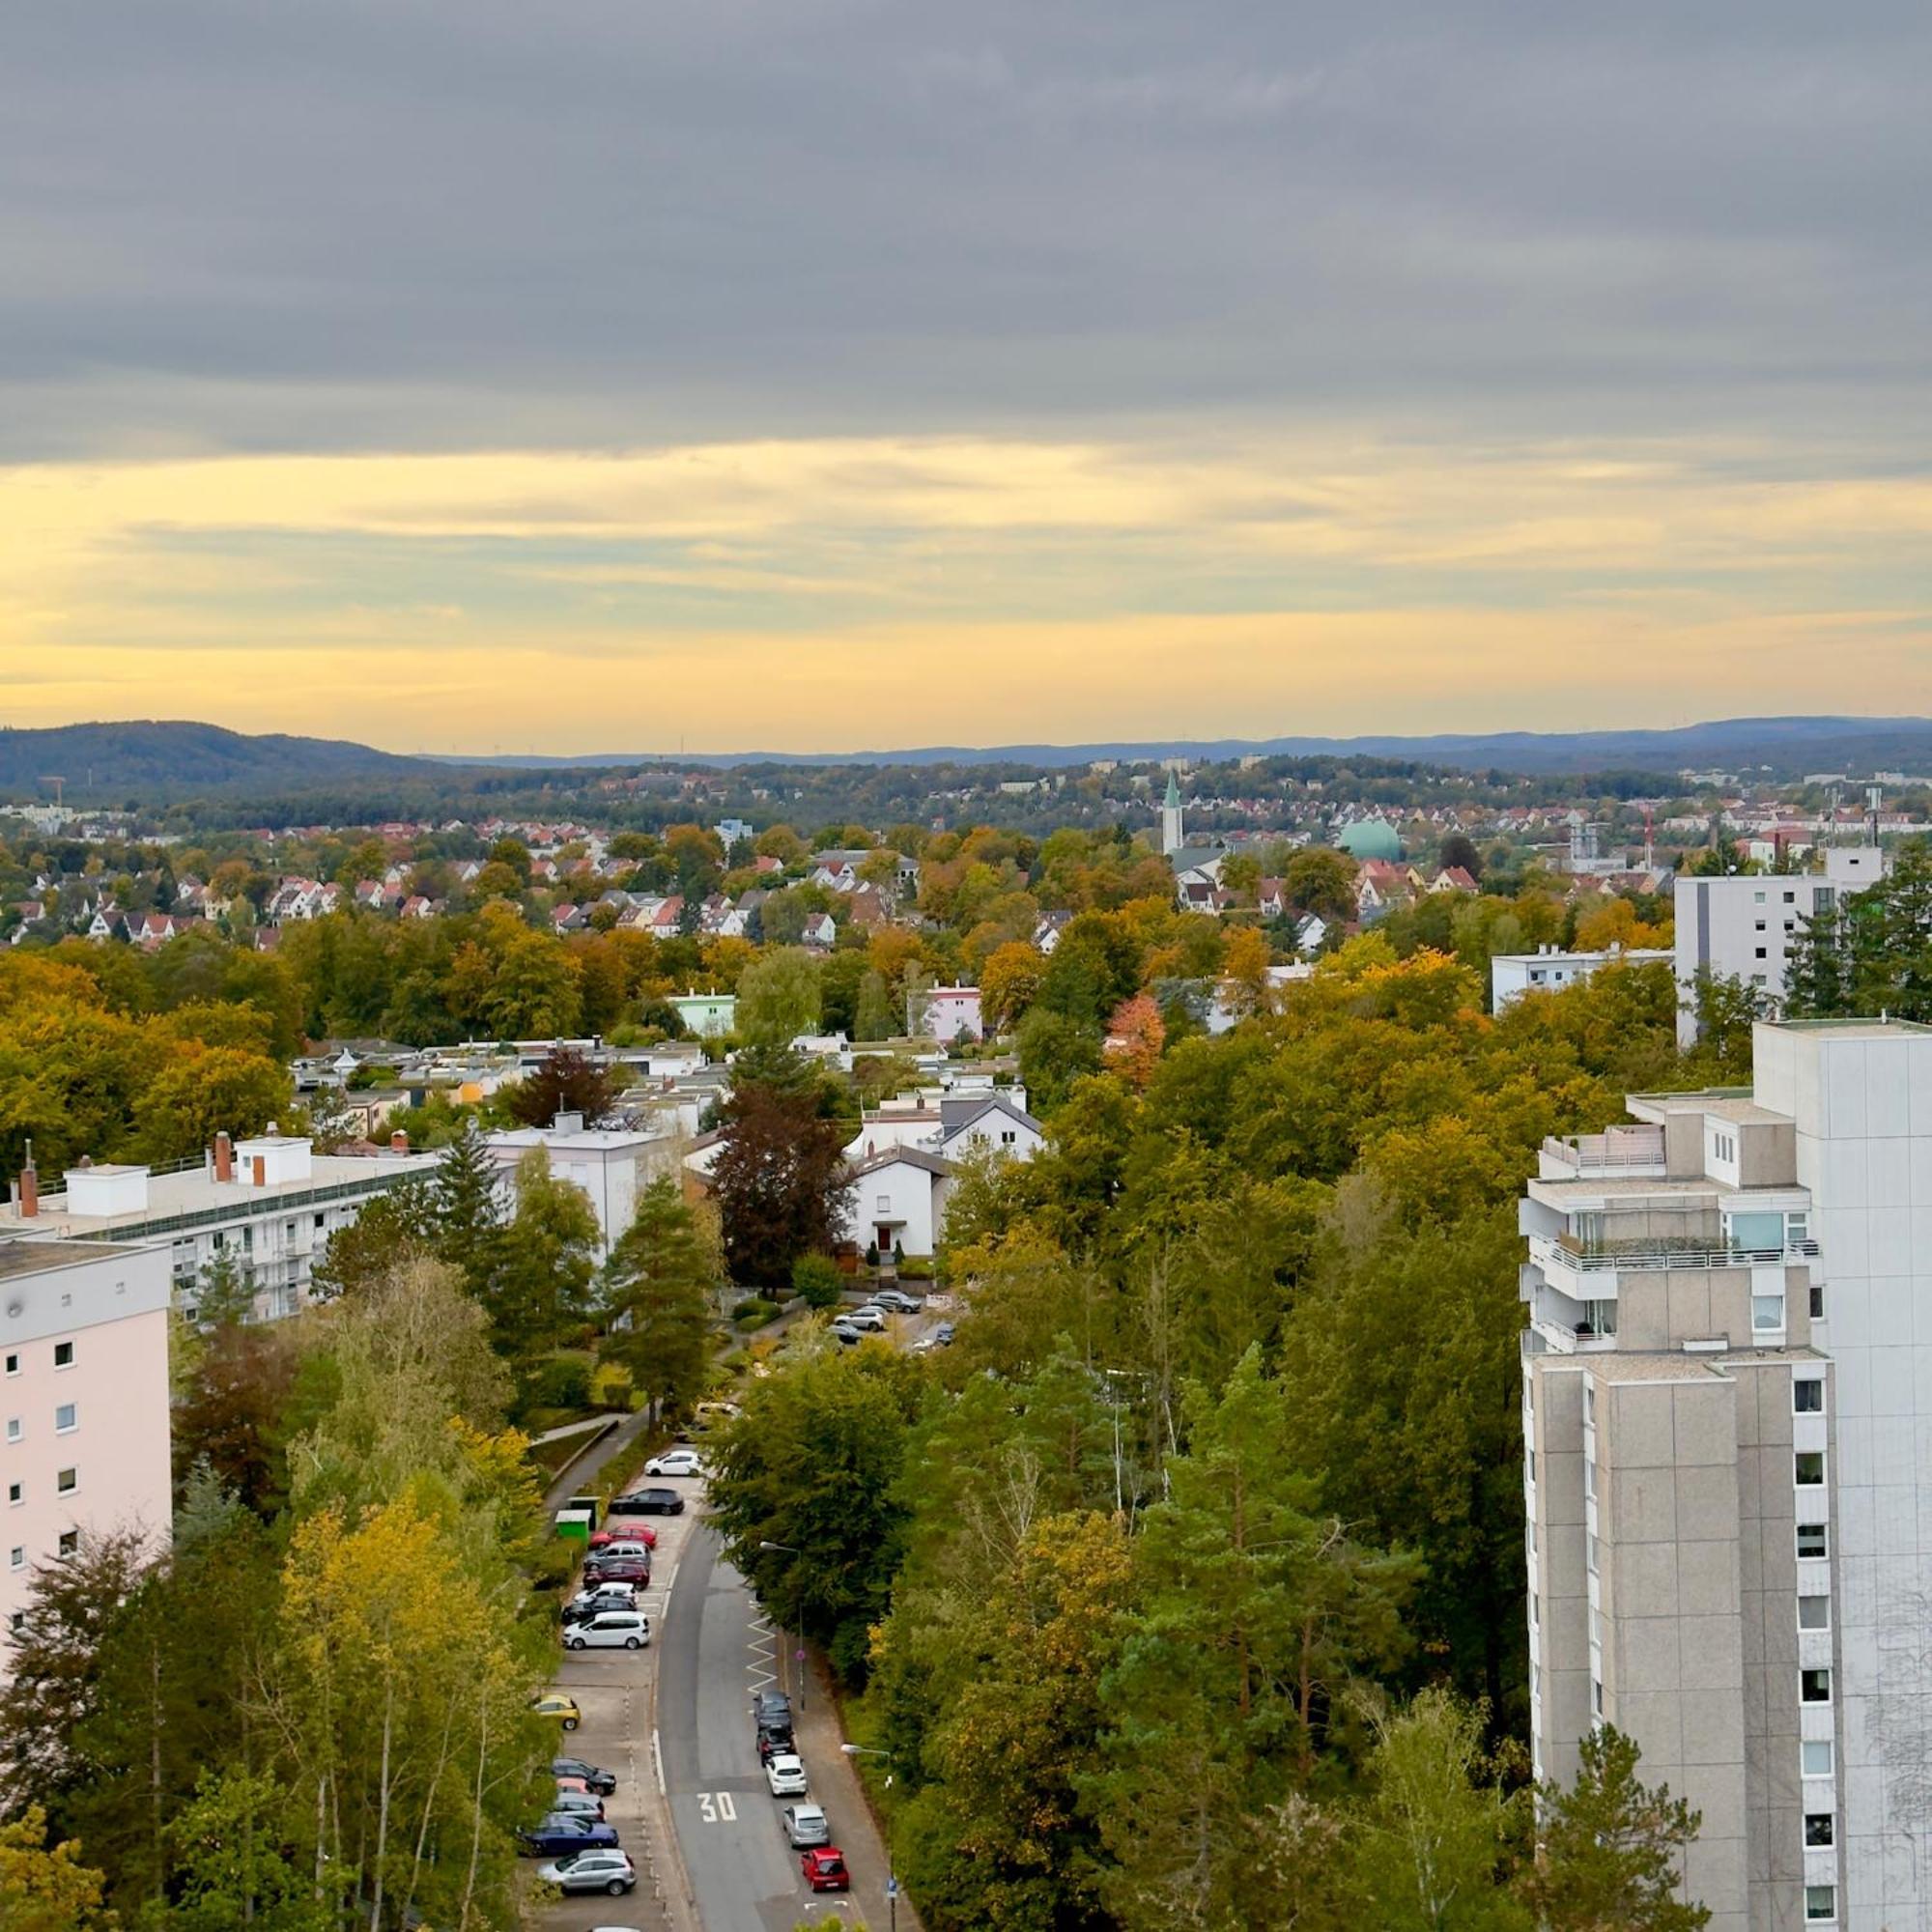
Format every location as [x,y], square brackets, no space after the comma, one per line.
[780,1181]
[43,1889]
[1009,984]
[565,1081]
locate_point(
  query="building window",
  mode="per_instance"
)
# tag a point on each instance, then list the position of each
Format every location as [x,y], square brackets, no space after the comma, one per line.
[1589,1403]
[67,1482]
[15,1430]
[318,1220]
[1590,1554]
[1821,1903]
[13,1365]
[1807,1395]
[62,1354]
[1767,1313]
[70,1542]
[1791,898]
[1814,1613]
[1817,1828]
[1808,1468]
[67,1418]
[1529,1462]
[16,1494]
[17,1557]
[1757,952]
[1814,1687]
[1813,1539]
[1814,1757]
[1597,1696]
[1590,1477]
[18,1621]
[1817,1301]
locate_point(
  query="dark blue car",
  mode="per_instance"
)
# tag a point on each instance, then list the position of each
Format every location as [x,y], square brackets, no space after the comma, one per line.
[560,1833]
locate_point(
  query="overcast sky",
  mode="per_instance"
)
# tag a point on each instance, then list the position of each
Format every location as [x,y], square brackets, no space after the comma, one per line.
[839,374]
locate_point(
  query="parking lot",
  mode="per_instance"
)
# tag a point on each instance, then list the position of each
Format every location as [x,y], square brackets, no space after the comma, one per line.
[616,1690]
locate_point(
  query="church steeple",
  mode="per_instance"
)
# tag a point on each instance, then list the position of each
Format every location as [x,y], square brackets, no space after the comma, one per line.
[1172,839]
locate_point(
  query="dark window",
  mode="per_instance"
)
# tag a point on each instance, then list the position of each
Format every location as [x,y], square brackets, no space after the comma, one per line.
[1807,1395]
[62,1354]
[1817,1828]
[1817,1301]
[1808,1468]
[1813,1539]
[1814,1687]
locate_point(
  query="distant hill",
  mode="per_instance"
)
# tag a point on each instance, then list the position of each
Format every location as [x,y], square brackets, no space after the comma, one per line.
[1789,746]
[112,762]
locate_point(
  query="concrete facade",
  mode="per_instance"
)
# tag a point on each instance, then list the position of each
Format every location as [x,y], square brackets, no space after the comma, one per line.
[1745,926]
[1549,970]
[1728,1427]
[83,1401]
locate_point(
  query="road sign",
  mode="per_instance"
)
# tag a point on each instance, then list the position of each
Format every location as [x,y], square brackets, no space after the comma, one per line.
[799,1655]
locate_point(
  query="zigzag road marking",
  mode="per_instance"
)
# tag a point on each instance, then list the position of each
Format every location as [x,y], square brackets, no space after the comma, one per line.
[763,1645]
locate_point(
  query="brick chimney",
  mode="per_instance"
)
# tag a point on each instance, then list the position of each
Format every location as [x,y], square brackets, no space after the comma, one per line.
[30,1186]
[224,1157]
[399,1141]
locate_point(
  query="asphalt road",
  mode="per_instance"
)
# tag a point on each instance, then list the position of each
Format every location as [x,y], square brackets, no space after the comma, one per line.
[715,1652]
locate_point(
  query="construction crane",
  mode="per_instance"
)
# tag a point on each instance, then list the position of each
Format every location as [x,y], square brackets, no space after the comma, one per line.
[57,783]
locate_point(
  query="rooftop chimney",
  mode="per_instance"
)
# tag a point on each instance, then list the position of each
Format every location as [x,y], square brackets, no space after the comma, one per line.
[224,1157]
[399,1141]
[30,1187]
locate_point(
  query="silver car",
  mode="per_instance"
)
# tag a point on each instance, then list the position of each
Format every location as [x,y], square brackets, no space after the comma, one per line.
[806,1825]
[591,1872]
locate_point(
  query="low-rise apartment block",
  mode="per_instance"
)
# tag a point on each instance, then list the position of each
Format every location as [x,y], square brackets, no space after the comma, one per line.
[270,1201]
[1728,1390]
[1550,969]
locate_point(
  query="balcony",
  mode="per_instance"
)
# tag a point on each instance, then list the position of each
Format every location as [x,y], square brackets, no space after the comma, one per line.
[1616,1153]
[1567,1326]
[1600,1263]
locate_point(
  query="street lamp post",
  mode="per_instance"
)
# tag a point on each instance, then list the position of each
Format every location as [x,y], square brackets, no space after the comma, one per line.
[892,1877]
[784,1679]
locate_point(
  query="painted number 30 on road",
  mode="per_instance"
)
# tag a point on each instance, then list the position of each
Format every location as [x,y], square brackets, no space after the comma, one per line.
[717,1808]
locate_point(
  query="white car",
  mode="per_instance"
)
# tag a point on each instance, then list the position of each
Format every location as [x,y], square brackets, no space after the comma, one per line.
[786,1774]
[871,1320]
[610,1630]
[675,1463]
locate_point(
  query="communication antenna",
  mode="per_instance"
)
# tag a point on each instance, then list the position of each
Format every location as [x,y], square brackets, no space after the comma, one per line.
[1873,794]
[57,783]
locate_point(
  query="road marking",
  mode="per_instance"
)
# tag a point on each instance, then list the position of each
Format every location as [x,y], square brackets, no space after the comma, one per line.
[657,1761]
[717,1808]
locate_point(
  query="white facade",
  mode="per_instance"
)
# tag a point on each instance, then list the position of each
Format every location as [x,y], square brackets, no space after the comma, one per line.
[951,1012]
[952,1126]
[707,1015]
[1550,969]
[1744,926]
[271,1202]
[83,1401]
[898,1200]
[610,1166]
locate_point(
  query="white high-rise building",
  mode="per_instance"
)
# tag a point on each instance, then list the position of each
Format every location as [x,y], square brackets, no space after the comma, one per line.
[1727,1383]
[1744,925]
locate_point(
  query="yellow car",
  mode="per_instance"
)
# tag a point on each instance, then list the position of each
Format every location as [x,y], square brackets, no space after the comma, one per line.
[556,1705]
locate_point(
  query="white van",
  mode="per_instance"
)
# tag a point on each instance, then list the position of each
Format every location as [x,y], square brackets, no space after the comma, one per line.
[610,1630]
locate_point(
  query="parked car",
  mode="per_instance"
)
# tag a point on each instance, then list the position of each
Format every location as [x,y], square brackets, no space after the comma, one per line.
[624,1549]
[648,1502]
[560,1832]
[618,1570]
[771,1710]
[943,1334]
[805,1824]
[897,1301]
[606,1870]
[574,1804]
[869,1321]
[784,1773]
[848,1336]
[824,1869]
[775,1744]
[600,1597]
[707,1415]
[595,1778]
[555,1704]
[675,1463]
[630,1532]
[610,1630]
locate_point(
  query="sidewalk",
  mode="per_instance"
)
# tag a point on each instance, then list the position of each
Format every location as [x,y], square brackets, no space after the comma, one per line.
[836,1787]
[581,1475]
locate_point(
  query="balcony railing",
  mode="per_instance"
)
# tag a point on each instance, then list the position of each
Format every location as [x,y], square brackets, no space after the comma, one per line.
[1617,1150]
[1657,1251]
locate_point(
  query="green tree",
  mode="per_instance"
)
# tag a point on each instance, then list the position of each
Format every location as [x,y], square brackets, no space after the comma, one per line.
[1432,1849]
[463,1201]
[874,1017]
[1054,1052]
[1610,1848]
[656,1298]
[778,996]
[47,1891]
[1322,881]
[817,1280]
[223,1295]
[537,1269]
[230,1872]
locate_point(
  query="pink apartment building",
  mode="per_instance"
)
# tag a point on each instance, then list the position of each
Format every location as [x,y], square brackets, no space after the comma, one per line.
[83,1401]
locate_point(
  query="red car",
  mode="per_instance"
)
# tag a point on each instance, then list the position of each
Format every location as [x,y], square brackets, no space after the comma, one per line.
[824,1869]
[640,1533]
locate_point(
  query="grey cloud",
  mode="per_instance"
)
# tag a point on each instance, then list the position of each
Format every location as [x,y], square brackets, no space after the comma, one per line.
[452,222]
